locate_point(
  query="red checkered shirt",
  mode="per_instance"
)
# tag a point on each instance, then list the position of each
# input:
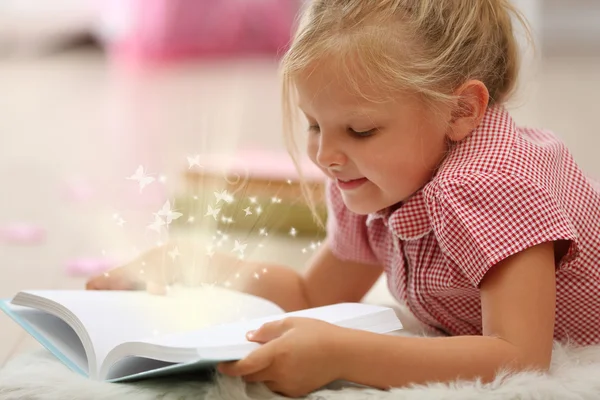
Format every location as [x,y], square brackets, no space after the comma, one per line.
[498,192]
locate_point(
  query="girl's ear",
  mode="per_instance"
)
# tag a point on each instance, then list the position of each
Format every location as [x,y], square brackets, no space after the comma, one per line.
[473,98]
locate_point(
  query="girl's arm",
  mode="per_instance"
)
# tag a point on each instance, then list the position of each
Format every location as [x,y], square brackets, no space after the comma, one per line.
[518,305]
[327,280]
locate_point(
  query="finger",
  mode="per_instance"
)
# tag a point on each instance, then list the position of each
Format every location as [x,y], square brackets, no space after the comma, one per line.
[276,387]
[270,330]
[156,288]
[256,361]
[108,283]
[265,375]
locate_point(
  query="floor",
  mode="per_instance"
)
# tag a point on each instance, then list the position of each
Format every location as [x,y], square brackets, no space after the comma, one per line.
[73,126]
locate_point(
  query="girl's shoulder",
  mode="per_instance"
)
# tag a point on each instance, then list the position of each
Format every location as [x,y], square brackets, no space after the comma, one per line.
[500,147]
[508,188]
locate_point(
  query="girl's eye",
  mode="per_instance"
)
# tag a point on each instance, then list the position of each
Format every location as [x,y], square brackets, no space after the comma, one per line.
[362,134]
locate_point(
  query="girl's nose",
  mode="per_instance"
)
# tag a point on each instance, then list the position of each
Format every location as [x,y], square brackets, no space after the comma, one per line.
[330,155]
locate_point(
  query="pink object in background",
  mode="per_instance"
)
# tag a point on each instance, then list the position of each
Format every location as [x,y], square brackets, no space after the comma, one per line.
[22,233]
[165,30]
[89,266]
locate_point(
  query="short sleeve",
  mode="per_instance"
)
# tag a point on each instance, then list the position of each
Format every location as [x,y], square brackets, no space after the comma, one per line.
[347,234]
[480,220]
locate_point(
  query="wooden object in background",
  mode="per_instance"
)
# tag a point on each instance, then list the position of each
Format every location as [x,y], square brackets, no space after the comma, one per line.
[265,187]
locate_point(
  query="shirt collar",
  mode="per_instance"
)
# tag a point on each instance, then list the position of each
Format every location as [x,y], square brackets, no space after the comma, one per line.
[410,221]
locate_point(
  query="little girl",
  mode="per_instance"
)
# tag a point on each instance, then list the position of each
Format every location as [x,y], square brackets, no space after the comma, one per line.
[488,232]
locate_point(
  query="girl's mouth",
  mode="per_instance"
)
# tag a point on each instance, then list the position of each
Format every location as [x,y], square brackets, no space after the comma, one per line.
[351,183]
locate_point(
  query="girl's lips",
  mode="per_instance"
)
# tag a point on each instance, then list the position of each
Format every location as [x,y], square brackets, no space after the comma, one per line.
[351,184]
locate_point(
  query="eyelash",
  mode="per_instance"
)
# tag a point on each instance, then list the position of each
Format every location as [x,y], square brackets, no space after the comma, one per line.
[365,134]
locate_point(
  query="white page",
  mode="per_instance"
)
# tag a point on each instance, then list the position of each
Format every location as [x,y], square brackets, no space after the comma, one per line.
[234,334]
[56,333]
[114,317]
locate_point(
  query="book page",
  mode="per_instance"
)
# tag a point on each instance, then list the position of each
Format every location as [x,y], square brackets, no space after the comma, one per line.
[52,333]
[114,317]
[233,334]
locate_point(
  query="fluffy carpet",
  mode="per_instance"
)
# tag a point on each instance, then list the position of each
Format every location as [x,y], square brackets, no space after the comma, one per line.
[575,374]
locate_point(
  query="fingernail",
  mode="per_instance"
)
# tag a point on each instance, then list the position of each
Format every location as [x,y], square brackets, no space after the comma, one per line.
[250,334]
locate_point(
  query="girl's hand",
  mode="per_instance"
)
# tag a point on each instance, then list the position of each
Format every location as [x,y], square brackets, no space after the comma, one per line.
[299,355]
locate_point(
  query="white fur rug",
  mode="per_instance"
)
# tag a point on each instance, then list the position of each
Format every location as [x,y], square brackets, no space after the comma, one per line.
[575,374]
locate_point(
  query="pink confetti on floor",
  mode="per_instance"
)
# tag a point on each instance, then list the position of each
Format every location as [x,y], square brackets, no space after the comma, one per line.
[22,234]
[89,266]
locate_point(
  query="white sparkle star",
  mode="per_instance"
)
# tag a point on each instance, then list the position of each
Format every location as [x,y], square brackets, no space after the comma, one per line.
[193,161]
[275,199]
[213,212]
[141,177]
[223,196]
[252,200]
[258,210]
[263,232]
[239,247]
[169,214]
[120,221]
[293,231]
[174,253]
[247,211]
[157,224]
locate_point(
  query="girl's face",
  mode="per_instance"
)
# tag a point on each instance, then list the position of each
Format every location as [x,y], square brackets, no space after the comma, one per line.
[379,154]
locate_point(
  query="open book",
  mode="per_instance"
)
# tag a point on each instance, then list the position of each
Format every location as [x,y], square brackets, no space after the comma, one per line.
[128,335]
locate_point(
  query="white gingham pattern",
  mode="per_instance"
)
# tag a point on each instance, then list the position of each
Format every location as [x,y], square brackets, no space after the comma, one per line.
[500,191]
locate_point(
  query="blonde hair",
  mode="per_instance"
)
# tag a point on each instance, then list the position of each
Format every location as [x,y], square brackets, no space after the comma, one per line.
[428,47]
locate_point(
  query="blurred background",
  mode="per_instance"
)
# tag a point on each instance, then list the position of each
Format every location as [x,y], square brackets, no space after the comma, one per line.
[119,119]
